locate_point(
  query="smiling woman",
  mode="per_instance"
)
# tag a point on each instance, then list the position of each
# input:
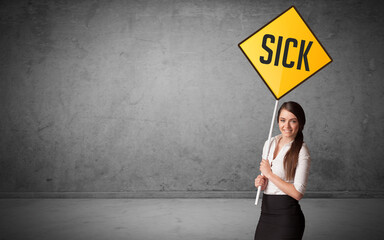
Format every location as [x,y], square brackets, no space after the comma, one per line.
[285,172]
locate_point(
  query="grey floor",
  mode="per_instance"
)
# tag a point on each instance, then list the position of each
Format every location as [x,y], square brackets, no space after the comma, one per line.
[209,219]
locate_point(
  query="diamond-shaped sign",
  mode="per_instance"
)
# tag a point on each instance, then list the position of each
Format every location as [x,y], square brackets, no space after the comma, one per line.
[285,52]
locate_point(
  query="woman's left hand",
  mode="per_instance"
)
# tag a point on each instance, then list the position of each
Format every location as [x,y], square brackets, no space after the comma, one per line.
[265,168]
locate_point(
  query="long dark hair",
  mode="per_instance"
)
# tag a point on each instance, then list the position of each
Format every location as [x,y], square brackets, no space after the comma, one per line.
[292,156]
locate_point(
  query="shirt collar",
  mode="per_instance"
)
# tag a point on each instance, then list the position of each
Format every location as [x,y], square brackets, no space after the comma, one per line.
[276,138]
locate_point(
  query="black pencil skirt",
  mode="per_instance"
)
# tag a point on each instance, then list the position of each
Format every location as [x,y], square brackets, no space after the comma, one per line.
[281,218]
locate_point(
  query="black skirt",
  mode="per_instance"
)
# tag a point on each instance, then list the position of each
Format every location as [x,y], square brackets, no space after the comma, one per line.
[281,218]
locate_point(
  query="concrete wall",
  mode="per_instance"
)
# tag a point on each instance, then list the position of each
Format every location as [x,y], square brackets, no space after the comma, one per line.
[130,96]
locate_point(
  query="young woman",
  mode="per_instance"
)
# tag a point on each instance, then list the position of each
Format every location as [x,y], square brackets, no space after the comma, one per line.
[285,173]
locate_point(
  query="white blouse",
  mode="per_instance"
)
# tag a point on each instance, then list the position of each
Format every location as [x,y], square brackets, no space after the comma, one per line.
[302,169]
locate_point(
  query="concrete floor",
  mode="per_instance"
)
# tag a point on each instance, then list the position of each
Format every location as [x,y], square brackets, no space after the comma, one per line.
[168,219]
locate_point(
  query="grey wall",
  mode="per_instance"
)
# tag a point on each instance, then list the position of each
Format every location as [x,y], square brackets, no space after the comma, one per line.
[127,96]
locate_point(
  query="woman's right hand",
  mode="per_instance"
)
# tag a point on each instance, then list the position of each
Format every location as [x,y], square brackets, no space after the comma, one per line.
[261,181]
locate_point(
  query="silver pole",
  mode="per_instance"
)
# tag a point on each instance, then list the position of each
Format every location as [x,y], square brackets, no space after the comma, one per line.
[269,144]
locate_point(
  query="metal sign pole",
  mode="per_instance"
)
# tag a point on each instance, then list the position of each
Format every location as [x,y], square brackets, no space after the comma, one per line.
[269,145]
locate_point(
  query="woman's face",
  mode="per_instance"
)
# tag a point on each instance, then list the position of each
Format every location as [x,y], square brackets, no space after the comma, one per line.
[288,124]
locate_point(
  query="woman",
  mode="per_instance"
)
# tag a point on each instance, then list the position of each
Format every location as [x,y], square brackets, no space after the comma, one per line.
[285,173]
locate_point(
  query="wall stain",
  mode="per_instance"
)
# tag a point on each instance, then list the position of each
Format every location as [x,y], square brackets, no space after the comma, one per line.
[92,12]
[37,16]
[50,124]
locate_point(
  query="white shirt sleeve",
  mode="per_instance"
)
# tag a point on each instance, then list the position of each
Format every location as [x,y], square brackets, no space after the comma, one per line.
[302,169]
[264,155]
[265,149]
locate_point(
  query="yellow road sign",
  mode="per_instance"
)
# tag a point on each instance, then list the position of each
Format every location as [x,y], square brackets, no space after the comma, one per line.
[285,52]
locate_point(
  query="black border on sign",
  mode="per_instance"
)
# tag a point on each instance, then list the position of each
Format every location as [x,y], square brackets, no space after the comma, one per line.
[312,34]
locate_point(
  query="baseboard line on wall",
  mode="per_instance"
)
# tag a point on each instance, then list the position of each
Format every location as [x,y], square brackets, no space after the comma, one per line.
[185,194]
